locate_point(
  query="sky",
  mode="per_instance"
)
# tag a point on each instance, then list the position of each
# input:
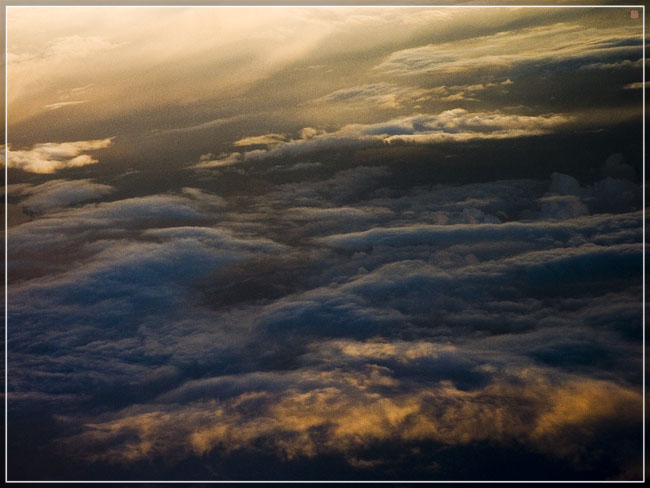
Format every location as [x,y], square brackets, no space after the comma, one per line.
[324,243]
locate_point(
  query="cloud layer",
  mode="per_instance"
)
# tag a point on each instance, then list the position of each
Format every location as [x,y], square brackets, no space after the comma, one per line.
[300,328]
[324,244]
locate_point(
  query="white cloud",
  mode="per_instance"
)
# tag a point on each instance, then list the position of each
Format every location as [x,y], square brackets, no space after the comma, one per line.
[49,157]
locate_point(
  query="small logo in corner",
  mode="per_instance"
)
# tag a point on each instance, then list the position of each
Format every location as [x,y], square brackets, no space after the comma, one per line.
[634,14]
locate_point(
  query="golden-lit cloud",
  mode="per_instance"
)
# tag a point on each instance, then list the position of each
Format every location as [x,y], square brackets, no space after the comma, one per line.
[391,96]
[151,67]
[263,140]
[350,415]
[636,85]
[550,44]
[49,157]
[457,125]
[210,124]
[58,105]
[378,95]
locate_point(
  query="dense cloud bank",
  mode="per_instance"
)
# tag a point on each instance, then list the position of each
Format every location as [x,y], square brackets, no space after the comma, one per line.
[331,318]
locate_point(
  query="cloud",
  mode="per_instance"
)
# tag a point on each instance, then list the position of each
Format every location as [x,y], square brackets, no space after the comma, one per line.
[49,157]
[391,96]
[263,140]
[550,44]
[562,207]
[567,198]
[311,214]
[55,194]
[468,92]
[58,105]
[189,326]
[214,237]
[461,125]
[203,197]
[67,93]
[447,234]
[456,125]
[346,414]
[382,94]
[209,161]
[66,232]
[636,85]
[625,64]
[210,124]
